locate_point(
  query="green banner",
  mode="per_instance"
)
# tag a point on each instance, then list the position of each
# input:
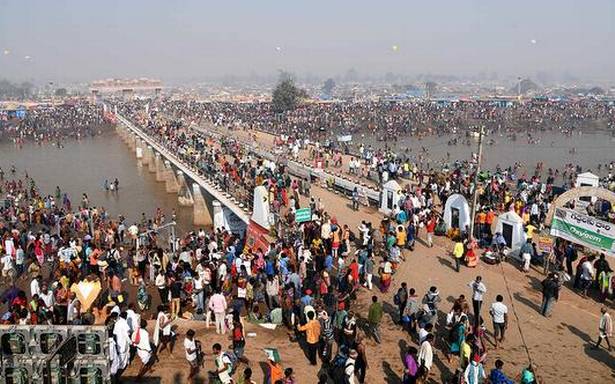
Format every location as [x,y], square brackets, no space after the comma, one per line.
[583,230]
[303,215]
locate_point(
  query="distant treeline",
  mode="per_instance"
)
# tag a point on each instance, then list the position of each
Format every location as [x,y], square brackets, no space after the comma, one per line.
[9,90]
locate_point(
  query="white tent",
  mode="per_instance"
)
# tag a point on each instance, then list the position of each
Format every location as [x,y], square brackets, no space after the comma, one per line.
[510,225]
[391,192]
[587,179]
[260,209]
[456,212]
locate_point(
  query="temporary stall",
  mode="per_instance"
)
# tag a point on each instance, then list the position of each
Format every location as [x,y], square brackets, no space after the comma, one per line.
[510,225]
[586,179]
[391,192]
[456,212]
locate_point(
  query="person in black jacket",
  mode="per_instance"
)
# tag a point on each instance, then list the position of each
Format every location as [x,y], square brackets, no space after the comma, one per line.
[550,293]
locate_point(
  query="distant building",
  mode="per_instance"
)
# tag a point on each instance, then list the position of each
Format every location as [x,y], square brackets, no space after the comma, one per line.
[127,87]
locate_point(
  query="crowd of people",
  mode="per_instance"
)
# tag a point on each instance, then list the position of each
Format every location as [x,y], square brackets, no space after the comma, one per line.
[392,119]
[306,279]
[56,123]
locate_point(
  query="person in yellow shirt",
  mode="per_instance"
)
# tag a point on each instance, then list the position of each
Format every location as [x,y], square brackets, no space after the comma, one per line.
[530,229]
[458,252]
[312,336]
[401,236]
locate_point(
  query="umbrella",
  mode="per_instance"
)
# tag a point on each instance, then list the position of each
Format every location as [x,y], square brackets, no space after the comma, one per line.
[87,292]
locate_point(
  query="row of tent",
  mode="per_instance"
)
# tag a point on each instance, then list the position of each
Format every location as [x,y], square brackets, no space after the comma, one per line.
[457,215]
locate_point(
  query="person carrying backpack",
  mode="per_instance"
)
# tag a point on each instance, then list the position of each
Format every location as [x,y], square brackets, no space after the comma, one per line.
[224,365]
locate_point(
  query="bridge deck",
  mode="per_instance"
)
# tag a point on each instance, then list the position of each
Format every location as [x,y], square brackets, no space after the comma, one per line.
[188,171]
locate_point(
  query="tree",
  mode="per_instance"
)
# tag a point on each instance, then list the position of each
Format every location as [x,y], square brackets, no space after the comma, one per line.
[286,95]
[10,90]
[61,92]
[328,87]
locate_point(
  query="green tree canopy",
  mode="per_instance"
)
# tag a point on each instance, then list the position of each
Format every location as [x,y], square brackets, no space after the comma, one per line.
[61,92]
[286,95]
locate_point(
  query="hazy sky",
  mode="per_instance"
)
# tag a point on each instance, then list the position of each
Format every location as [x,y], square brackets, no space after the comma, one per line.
[85,39]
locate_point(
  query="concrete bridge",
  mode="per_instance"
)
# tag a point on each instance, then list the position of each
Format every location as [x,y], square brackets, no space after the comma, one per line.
[179,178]
[303,169]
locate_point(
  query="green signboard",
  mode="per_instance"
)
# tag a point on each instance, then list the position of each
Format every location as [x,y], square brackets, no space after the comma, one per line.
[584,230]
[303,215]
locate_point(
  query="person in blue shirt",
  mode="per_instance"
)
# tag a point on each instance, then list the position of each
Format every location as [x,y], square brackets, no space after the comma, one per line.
[230,257]
[269,267]
[329,262]
[284,265]
[306,299]
[410,232]
[497,376]
[401,217]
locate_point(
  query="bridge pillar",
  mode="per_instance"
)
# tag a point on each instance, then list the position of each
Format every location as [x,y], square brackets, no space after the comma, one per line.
[171,183]
[144,157]
[132,141]
[151,161]
[160,171]
[218,214]
[119,129]
[125,133]
[184,195]
[201,215]
[139,148]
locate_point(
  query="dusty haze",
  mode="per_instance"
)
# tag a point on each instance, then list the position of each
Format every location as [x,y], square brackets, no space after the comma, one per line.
[81,40]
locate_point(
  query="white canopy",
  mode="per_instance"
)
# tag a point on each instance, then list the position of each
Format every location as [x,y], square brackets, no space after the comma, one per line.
[587,179]
[260,213]
[391,192]
[510,225]
[456,212]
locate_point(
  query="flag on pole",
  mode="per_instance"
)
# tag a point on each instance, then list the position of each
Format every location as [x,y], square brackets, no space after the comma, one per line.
[272,354]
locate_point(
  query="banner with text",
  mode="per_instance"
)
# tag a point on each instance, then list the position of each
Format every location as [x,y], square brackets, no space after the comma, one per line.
[584,230]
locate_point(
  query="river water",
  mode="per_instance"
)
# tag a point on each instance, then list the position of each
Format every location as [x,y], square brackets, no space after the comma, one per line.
[82,167]
[552,148]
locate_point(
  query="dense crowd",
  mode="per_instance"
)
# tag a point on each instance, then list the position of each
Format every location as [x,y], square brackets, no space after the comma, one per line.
[56,123]
[306,279]
[387,120]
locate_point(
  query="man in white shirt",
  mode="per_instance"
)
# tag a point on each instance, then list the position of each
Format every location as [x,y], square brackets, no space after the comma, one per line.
[7,265]
[199,293]
[133,318]
[191,353]
[35,288]
[140,339]
[223,365]
[499,315]
[121,330]
[47,295]
[425,356]
[478,290]
[587,274]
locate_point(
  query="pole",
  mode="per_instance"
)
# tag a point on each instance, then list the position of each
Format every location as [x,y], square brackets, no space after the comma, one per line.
[475,194]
